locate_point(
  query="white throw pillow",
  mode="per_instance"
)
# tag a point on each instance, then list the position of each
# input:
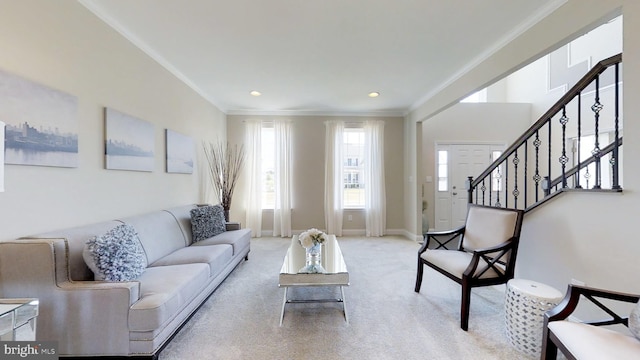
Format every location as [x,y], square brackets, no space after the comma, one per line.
[116,255]
[634,321]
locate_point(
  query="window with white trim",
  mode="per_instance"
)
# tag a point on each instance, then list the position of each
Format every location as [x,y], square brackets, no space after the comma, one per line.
[353,195]
[267,158]
[443,170]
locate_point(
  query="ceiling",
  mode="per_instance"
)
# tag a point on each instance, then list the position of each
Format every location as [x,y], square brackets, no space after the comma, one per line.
[319,57]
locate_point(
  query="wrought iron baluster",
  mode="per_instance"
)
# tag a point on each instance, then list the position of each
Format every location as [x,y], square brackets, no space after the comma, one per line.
[614,159]
[596,107]
[564,159]
[490,187]
[498,185]
[525,177]
[587,176]
[549,159]
[506,182]
[477,193]
[483,188]
[536,176]
[578,186]
[515,191]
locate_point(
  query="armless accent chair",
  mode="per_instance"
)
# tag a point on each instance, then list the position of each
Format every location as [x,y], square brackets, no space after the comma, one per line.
[485,253]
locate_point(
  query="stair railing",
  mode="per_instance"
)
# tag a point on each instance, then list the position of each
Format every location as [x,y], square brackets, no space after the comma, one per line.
[520,177]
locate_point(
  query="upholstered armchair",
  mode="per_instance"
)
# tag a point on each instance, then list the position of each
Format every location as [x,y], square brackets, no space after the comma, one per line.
[480,253]
[588,340]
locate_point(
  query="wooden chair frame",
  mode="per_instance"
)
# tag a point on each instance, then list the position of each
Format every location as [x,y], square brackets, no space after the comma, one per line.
[489,256]
[551,344]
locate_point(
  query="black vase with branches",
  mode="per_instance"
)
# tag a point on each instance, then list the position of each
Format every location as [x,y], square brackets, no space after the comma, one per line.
[225,163]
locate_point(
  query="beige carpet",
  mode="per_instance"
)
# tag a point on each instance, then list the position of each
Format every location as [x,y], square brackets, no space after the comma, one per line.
[388,320]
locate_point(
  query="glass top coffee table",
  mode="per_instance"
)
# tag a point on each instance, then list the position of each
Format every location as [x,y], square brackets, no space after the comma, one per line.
[335,272]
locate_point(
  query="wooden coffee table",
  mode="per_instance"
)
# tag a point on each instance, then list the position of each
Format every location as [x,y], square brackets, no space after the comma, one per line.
[335,274]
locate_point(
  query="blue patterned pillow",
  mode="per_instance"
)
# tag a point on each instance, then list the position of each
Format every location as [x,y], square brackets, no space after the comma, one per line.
[207,221]
[116,255]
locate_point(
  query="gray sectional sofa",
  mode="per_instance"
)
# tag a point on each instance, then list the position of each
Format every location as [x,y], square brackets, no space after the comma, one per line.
[127,318]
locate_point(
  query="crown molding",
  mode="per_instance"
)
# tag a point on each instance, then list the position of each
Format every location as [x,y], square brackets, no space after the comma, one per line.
[385,113]
[100,13]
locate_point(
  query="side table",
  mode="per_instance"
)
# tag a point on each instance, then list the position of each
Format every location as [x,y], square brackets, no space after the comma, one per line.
[525,304]
[18,319]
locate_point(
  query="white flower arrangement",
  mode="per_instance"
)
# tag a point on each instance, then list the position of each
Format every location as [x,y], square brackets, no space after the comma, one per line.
[311,238]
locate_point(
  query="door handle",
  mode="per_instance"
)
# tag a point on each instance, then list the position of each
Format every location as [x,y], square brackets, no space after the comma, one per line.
[455,193]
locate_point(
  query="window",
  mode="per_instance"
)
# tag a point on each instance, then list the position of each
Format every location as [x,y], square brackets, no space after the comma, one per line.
[477,97]
[353,195]
[267,158]
[443,166]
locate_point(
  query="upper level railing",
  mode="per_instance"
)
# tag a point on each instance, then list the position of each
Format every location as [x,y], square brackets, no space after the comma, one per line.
[577,143]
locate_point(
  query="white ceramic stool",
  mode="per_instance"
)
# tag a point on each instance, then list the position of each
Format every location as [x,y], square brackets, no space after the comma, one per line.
[525,304]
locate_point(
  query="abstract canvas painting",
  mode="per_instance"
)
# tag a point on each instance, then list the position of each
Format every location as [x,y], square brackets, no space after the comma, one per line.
[180,153]
[130,142]
[41,123]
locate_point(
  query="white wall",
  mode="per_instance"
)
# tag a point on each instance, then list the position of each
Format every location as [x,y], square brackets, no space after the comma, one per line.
[62,45]
[531,84]
[589,237]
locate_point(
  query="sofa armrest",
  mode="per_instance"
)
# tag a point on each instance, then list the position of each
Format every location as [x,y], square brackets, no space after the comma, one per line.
[70,311]
[233,226]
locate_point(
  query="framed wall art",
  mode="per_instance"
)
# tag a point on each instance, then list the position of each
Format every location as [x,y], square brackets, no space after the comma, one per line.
[129,143]
[41,123]
[180,153]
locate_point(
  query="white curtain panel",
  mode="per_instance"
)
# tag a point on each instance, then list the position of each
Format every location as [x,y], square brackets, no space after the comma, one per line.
[282,209]
[1,156]
[333,177]
[374,184]
[254,181]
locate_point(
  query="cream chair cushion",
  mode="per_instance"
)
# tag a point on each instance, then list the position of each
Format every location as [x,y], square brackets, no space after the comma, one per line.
[487,227]
[587,342]
[456,262]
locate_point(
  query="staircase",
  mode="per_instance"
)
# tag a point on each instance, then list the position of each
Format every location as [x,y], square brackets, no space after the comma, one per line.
[574,146]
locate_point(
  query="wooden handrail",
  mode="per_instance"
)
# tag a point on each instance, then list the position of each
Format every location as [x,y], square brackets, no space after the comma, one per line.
[589,77]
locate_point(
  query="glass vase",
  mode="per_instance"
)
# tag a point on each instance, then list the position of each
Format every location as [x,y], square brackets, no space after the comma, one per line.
[313,260]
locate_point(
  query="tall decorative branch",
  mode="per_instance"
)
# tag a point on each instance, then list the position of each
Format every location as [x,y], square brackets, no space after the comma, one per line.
[225,163]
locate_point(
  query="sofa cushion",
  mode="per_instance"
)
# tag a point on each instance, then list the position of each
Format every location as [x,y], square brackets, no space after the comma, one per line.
[182,214]
[159,232]
[116,255]
[239,239]
[164,292]
[207,221]
[216,256]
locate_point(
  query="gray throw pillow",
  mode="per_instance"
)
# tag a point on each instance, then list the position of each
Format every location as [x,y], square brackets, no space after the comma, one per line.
[207,221]
[116,255]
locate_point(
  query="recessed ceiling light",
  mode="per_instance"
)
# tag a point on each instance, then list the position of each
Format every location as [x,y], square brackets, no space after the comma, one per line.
[374,94]
[255,93]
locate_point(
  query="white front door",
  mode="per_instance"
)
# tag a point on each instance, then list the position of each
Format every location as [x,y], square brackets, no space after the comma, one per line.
[454,164]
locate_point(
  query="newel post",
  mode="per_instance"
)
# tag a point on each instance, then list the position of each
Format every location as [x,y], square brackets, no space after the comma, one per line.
[467,185]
